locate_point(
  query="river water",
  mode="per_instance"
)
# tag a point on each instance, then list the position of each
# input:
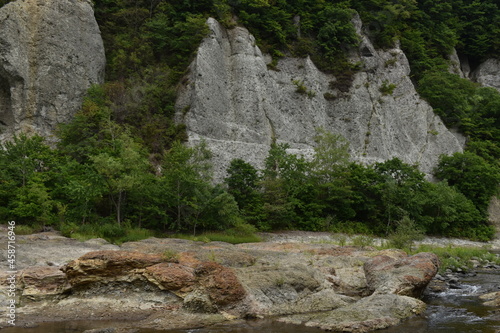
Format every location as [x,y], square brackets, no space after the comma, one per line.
[458,310]
[453,311]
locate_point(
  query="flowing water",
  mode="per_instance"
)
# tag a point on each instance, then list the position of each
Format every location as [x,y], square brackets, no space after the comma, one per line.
[458,310]
[453,311]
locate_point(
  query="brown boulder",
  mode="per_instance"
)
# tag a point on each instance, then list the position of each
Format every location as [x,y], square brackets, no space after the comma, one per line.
[171,276]
[94,266]
[220,282]
[406,276]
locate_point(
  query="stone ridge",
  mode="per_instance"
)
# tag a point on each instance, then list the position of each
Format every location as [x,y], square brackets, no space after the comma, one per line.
[51,52]
[239,106]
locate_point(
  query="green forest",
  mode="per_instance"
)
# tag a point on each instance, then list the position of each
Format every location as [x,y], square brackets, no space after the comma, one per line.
[120,169]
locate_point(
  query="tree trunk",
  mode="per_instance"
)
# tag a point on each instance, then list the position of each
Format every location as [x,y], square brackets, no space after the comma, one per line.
[118,208]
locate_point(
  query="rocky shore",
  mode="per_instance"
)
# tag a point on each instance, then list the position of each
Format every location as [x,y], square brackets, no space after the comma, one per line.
[173,283]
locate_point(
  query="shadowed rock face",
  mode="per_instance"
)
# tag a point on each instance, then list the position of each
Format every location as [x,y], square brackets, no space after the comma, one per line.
[51,52]
[238,106]
[488,74]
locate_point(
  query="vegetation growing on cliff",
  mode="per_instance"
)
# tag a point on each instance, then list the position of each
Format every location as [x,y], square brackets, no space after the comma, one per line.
[101,180]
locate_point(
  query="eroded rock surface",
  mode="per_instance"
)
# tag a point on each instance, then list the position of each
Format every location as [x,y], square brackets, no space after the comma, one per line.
[43,281]
[169,283]
[491,299]
[239,106]
[102,266]
[51,52]
[488,74]
[401,275]
[368,314]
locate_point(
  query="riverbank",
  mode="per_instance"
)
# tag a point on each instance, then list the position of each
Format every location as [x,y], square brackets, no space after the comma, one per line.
[314,279]
[318,237]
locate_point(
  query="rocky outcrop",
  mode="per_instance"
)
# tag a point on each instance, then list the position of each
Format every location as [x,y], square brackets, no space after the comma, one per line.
[172,283]
[43,281]
[105,266]
[400,274]
[209,280]
[488,74]
[491,299]
[51,52]
[171,276]
[239,106]
[369,314]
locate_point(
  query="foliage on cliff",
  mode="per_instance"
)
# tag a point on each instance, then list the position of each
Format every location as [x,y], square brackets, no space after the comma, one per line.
[102,176]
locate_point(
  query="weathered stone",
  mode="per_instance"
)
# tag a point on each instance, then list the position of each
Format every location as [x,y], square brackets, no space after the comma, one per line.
[488,74]
[171,276]
[101,265]
[279,290]
[199,302]
[285,279]
[220,282]
[407,276]
[101,330]
[42,281]
[239,107]
[51,52]
[491,299]
[368,314]
[457,66]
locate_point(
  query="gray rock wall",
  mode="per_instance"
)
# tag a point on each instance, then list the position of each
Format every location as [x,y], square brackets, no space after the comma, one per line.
[51,52]
[488,74]
[233,102]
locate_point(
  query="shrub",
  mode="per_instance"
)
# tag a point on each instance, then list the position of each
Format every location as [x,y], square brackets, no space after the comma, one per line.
[405,234]
[387,88]
[25,229]
[112,232]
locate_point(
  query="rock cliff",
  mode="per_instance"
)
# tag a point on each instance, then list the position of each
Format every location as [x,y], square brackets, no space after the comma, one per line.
[51,51]
[488,74]
[239,106]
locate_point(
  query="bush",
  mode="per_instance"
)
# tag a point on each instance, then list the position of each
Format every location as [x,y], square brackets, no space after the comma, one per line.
[387,88]
[452,257]
[26,229]
[350,228]
[405,234]
[242,229]
[112,232]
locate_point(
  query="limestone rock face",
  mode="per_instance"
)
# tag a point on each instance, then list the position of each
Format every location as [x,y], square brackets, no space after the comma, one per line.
[488,74]
[51,52]
[239,107]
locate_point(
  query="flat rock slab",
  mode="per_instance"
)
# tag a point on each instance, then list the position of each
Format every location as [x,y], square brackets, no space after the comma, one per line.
[368,314]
